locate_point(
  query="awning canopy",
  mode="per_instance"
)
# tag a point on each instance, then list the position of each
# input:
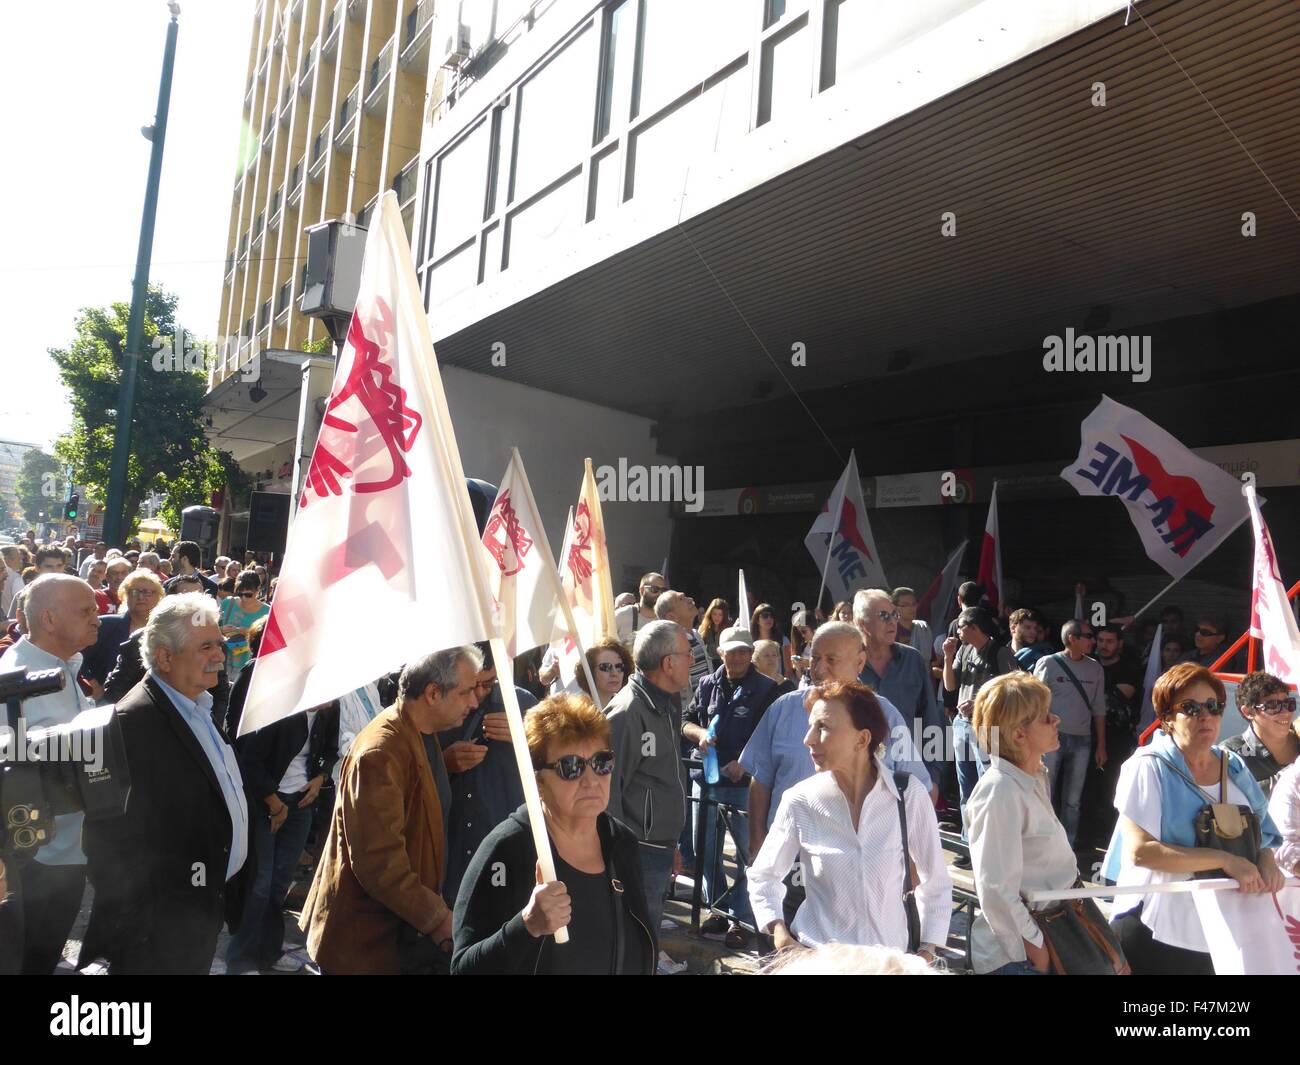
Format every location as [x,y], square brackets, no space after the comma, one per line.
[252,412]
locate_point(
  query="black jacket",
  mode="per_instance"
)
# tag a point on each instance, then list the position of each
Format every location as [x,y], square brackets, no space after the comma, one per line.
[264,755]
[159,869]
[129,670]
[98,660]
[490,937]
[738,706]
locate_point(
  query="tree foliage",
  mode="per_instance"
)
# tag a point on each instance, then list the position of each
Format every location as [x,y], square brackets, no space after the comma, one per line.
[169,452]
[37,493]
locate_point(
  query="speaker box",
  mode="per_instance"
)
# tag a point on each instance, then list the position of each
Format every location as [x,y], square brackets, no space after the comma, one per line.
[268,521]
[334,253]
[200,525]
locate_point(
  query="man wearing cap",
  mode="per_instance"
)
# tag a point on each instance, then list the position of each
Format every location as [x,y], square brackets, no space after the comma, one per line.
[970,660]
[735,697]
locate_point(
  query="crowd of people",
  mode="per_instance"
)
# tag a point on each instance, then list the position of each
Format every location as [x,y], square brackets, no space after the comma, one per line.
[858,761]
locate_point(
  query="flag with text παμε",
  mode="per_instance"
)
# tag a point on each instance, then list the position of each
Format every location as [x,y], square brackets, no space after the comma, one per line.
[1251,935]
[1182,506]
[383,563]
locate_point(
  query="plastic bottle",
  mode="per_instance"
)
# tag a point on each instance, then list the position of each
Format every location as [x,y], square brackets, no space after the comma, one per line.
[711,775]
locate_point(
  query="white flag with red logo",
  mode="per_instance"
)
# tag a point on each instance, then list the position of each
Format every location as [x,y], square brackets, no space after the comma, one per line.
[1182,506]
[845,536]
[383,562]
[1271,619]
[521,568]
[990,571]
[585,579]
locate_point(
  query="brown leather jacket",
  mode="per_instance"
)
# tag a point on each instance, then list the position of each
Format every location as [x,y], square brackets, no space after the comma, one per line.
[384,860]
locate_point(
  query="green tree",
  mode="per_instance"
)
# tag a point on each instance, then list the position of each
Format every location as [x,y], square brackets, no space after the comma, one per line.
[38,493]
[169,452]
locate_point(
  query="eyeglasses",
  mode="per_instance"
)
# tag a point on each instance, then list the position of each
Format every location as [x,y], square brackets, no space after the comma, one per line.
[247,595]
[1207,632]
[888,615]
[611,667]
[144,592]
[1194,709]
[571,766]
[1281,706]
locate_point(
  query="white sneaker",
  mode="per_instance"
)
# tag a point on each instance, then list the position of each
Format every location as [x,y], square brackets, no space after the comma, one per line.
[668,967]
[218,967]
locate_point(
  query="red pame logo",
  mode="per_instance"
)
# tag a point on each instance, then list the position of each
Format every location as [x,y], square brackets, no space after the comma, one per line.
[1292,927]
[383,422]
[579,561]
[506,540]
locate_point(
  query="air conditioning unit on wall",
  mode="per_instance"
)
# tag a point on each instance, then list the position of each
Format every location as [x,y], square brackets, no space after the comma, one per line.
[456,47]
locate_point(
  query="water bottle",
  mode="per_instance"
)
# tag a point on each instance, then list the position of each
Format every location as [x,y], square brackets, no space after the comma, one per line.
[711,775]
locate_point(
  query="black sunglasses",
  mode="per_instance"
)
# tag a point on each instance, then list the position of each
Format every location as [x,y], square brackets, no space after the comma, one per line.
[1207,632]
[1194,709]
[611,667]
[570,767]
[1282,706]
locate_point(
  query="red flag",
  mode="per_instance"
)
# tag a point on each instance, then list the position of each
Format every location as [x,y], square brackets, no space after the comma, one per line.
[990,572]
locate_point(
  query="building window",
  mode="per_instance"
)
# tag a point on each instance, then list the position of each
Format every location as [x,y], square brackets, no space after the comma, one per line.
[551,137]
[684,41]
[618,58]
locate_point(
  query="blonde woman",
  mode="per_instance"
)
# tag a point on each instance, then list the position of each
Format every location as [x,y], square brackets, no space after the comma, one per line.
[1017,843]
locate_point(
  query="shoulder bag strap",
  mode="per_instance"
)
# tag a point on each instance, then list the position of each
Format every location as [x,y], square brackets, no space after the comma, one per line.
[909,890]
[1060,660]
[1223,776]
[1191,783]
[616,897]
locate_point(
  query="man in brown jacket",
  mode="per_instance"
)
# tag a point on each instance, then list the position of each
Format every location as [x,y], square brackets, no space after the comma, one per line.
[383,864]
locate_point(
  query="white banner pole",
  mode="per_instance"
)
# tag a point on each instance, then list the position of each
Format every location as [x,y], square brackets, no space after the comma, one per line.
[1176,888]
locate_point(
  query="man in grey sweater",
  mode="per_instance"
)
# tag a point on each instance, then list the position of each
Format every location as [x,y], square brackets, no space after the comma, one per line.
[1078,685]
[647,790]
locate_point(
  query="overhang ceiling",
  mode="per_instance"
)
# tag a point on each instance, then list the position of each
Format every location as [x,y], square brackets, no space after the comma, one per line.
[1067,215]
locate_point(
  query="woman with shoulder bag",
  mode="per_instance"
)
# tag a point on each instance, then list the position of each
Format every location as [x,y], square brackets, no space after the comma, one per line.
[1017,843]
[1188,808]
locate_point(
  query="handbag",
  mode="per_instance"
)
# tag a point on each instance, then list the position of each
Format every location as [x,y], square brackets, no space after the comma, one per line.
[1079,940]
[1223,826]
[910,877]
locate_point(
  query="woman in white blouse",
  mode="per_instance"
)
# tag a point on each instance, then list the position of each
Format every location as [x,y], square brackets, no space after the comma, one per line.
[845,822]
[1017,843]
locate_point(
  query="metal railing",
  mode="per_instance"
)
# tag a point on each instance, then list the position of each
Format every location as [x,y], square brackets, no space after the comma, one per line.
[348,108]
[416,20]
[379,68]
[405,182]
[724,815]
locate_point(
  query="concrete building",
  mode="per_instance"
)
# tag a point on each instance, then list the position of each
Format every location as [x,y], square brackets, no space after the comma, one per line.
[753,234]
[11,465]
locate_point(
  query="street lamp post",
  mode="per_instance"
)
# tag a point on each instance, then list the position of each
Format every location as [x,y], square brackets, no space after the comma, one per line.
[114,518]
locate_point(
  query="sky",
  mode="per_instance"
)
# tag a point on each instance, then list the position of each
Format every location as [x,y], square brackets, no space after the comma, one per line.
[81,78]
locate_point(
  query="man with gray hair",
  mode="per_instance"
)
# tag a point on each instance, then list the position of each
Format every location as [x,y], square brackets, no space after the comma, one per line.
[61,618]
[170,869]
[681,608]
[648,788]
[376,904]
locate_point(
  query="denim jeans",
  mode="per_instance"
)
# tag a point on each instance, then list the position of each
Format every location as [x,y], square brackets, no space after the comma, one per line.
[258,943]
[1016,968]
[656,866]
[972,762]
[715,880]
[1070,764]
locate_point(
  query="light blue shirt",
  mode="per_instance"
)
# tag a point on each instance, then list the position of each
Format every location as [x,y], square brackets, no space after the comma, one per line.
[776,757]
[197,714]
[57,708]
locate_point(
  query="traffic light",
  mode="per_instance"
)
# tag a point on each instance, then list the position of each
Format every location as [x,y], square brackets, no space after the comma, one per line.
[71,508]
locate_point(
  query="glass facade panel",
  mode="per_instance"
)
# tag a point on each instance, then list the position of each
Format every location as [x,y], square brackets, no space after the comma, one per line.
[534,228]
[863,30]
[458,273]
[619,60]
[555,110]
[462,184]
[606,179]
[699,127]
[787,74]
[684,41]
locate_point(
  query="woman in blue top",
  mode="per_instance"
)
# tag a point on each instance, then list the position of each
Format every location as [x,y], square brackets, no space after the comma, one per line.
[1161,790]
[237,615]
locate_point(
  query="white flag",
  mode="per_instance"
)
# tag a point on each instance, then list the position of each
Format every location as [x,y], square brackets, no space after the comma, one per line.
[1182,506]
[1271,619]
[584,574]
[521,569]
[383,562]
[937,603]
[846,538]
[990,569]
[1251,935]
[743,612]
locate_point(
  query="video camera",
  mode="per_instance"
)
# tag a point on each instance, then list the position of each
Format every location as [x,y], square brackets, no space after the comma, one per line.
[57,769]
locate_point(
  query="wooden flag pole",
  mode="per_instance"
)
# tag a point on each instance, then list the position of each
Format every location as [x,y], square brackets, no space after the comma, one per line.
[553,569]
[524,761]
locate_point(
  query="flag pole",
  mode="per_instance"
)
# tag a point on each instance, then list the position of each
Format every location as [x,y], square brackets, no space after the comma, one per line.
[835,528]
[524,761]
[552,568]
[1159,595]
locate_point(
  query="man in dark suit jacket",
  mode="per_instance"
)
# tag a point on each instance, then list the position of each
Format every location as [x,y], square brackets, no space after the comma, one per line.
[174,865]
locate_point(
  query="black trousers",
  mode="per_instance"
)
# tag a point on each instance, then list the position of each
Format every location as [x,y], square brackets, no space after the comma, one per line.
[1151,958]
[51,897]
